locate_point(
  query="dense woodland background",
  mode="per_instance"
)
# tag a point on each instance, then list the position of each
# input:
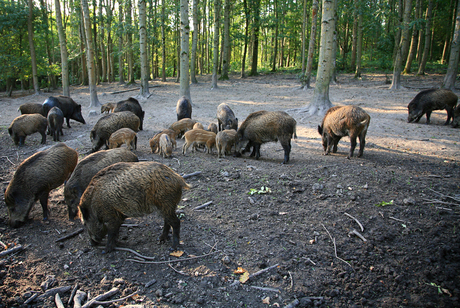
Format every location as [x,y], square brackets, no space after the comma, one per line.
[255,36]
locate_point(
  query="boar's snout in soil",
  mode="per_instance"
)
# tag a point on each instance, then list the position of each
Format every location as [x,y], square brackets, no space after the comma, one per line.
[27,124]
[456,120]
[226,118]
[131,190]
[35,178]
[86,169]
[155,141]
[340,121]
[265,126]
[69,107]
[123,136]
[55,123]
[183,108]
[131,104]
[29,108]
[165,146]
[198,137]
[432,99]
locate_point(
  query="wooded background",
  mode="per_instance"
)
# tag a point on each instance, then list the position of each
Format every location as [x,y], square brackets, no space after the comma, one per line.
[255,36]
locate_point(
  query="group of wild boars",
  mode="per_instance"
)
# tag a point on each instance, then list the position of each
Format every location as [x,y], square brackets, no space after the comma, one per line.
[265,126]
[131,104]
[131,190]
[108,107]
[86,169]
[166,146]
[341,121]
[27,124]
[197,137]
[183,108]
[70,109]
[109,124]
[123,136]
[29,108]
[181,126]
[55,123]
[432,99]
[225,140]
[35,178]
[155,141]
[226,118]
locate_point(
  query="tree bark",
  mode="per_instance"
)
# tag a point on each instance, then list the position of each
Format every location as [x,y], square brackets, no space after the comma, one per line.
[255,37]
[62,44]
[275,49]
[163,39]
[246,34]
[129,41]
[426,49]
[144,89]
[120,43]
[226,50]
[101,44]
[303,35]
[194,42]
[184,54]
[33,57]
[452,68]
[49,46]
[359,44]
[414,40]
[354,43]
[311,45]
[216,44]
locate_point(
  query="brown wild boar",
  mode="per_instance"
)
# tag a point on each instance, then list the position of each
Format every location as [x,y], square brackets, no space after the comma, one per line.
[155,141]
[131,104]
[432,99]
[35,178]
[340,121]
[131,190]
[265,126]
[456,120]
[27,124]
[29,108]
[212,128]
[226,118]
[196,137]
[165,146]
[181,126]
[224,141]
[108,107]
[123,136]
[86,169]
[198,126]
[55,123]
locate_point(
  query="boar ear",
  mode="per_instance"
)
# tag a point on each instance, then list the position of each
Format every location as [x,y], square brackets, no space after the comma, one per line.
[320,129]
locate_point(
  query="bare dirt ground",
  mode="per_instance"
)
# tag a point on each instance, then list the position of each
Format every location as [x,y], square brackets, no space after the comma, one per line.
[404,192]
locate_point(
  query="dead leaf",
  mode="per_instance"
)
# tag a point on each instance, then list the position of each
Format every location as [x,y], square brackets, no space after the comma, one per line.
[311,242]
[445,291]
[266,300]
[176,253]
[244,277]
[239,270]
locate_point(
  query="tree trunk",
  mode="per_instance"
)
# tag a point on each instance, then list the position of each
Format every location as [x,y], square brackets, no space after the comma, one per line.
[94,101]
[426,49]
[303,35]
[184,55]
[359,45]
[163,39]
[449,79]
[33,57]
[194,42]
[120,43]
[414,40]
[255,38]
[143,50]
[354,35]
[129,42]
[246,34]
[447,42]
[215,44]
[49,46]
[275,49]
[62,44]
[84,68]
[101,43]
[311,45]
[226,50]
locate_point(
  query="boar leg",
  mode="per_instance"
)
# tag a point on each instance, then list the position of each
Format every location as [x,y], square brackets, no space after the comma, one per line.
[44,203]
[43,138]
[22,139]
[428,115]
[256,150]
[287,151]
[68,122]
[113,230]
[173,222]
[450,115]
[353,146]
[362,143]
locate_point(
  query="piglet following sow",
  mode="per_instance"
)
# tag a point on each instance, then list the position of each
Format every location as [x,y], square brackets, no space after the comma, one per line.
[123,136]
[69,107]
[131,190]
[55,123]
[35,178]
[432,99]
[341,121]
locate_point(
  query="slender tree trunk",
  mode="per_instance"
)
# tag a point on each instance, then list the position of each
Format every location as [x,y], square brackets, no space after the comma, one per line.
[414,40]
[144,91]
[101,44]
[215,44]
[94,101]
[184,54]
[226,41]
[445,51]
[426,49]
[194,42]
[311,45]
[449,79]
[163,39]
[303,35]
[62,44]
[49,45]
[255,38]
[84,69]
[246,34]
[275,49]
[120,43]
[354,43]
[110,57]
[129,41]
[33,57]
[359,45]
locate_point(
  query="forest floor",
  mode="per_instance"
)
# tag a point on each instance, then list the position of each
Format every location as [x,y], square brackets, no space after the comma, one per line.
[404,192]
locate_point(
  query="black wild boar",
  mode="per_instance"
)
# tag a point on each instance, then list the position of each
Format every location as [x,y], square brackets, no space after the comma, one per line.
[340,121]
[27,124]
[69,107]
[35,178]
[55,123]
[183,108]
[265,126]
[432,99]
[131,190]
[109,124]
[30,108]
[226,118]
[86,169]
[132,104]
[456,120]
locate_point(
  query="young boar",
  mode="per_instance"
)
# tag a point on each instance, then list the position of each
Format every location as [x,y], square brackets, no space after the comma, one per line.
[35,178]
[340,121]
[212,128]
[226,118]
[183,108]
[123,136]
[132,104]
[265,126]
[131,190]
[433,99]
[55,123]
[196,137]
[86,169]
[29,108]
[27,124]
[198,126]
[224,142]
[69,107]
[109,124]
[165,146]
[456,120]
[108,107]
[181,126]
[155,141]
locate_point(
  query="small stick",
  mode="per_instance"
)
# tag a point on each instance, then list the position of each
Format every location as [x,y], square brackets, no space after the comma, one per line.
[129,225]
[115,300]
[335,247]
[400,220]
[293,304]
[31,299]
[178,161]
[263,271]
[357,234]
[8,159]
[177,271]
[308,259]
[360,225]
[172,261]
[438,201]
[150,283]
[292,280]
[69,235]
[72,294]
[203,205]
[443,208]
[107,294]
[437,192]
[134,252]
[185,176]
[11,250]
[53,291]
[266,289]
[58,301]
[78,299]
[4,245]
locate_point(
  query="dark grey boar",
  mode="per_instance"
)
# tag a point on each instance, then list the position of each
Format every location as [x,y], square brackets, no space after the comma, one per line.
[69,107]
[109,124]
[29,108]
[340,121]
[432,99]
[131,104]
[27,124]
[131,190]
[35,178]
[212,127]
[86,169]
[55,123]
[226,118]
[456,120]
[265,126]
[183,108]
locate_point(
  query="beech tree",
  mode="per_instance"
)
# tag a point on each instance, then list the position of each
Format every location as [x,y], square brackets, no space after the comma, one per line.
[143,50]
[33,57]
[215,44]
[426,49]
[311,46]
[63,47]
[449,79]
[184,53]
[194,42]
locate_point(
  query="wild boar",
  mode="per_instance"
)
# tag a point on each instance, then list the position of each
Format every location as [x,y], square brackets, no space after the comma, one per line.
[198,126]
[35,178]
[432,99]
[55,123]
[212,127]
[183,108]
[456,120]
[29,108]
[132,104]
[196,137]
[27,124]
[181,126]
[123,136]
[131,190]
[108,107]
[340,121]
[265,126]
[165,146]
[109,124]
[155,141]
[224,141]
[226,118]
[86,169]
[69,107]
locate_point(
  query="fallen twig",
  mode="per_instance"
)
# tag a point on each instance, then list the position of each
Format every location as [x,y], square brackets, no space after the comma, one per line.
[31,299]
[293,304]
[8,159]
[107,294]
[309,260]
[78,299]
[203,205]
[185,176]
[292,281]
[335,247]
[11,250]
[443,208]
[134,252]
[113,301]
[443,195]
[70,235]
[172,261]
[58,301]
[438,201]
[150,283]
[177,271]
[357,234]
[178,161]
[133,89]
[72,294]
[265,289]
[262,271]
[129,225]
[54,291]
[400,220]
[4,245]
[360,225]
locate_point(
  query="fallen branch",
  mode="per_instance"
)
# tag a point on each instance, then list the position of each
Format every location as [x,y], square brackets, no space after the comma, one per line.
[185,176]
[101,297]
[78,299]
[150,283]
[172,261]
[438,201]
[400,220]
[11,250]
[292,281]
[266,289]
[113,301]
[177,271]
[443,208]
[134,252]
[262,271]
[443,195]
[357,234]
[72,294]
[203,205]
[293,304]
[61,239]
[31,299]
[134,89]
[335,247]
[54,291]
[309,260]
[129,225]
[360,225]
[8,159]
[178,161]
[58,301]
[4,245]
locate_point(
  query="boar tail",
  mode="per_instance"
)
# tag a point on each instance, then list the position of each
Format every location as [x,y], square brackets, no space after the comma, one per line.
[295,132]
